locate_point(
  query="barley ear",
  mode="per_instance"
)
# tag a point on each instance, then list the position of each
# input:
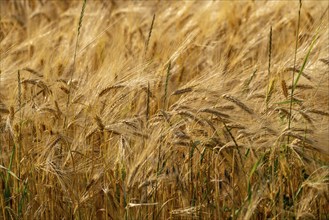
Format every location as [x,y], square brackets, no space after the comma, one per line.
[166,85]
[284,88]
[150,34]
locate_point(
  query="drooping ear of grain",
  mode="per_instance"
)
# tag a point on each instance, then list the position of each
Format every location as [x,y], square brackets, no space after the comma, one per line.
[238,103]
[284,88]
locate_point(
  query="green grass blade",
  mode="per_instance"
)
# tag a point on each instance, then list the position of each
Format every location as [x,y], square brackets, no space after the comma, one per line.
[305,60]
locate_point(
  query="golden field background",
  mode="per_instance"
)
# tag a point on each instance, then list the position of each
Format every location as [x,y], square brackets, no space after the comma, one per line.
[164,110]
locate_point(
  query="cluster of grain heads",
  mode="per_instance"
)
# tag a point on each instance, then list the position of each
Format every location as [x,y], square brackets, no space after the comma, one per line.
[122,116]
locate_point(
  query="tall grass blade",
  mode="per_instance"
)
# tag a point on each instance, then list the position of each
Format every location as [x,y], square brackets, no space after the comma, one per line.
[293,71]
[305,61]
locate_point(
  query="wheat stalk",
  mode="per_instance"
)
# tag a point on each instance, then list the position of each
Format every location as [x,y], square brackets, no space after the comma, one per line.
[75,55]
